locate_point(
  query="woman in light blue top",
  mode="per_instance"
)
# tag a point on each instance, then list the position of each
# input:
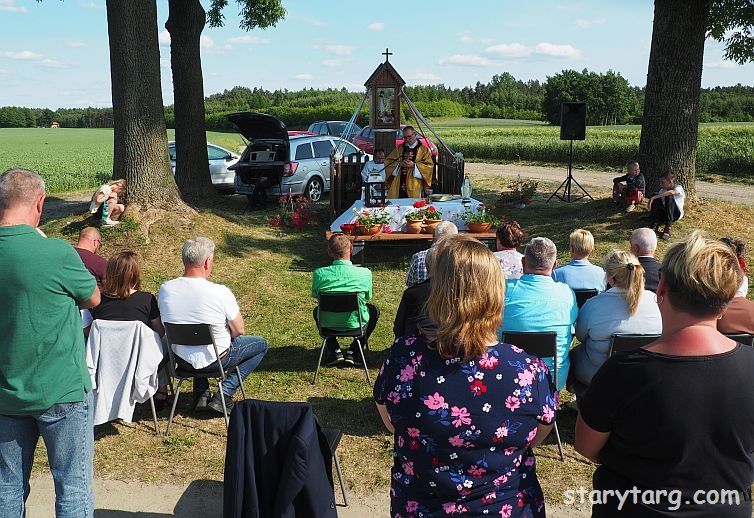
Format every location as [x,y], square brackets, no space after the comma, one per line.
[624,308]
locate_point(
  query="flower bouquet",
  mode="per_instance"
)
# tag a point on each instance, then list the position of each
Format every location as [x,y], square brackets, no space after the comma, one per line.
[431,218]
[414,221]
[370,222]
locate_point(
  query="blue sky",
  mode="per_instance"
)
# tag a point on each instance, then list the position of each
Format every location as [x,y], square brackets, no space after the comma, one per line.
[55,54]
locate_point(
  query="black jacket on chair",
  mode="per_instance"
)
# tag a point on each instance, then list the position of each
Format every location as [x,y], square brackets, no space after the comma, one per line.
[277,463]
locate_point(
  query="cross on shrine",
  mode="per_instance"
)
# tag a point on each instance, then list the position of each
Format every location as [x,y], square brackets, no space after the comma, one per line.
[387,54]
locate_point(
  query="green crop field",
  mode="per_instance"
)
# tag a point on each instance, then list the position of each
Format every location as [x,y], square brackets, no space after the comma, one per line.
[72,159]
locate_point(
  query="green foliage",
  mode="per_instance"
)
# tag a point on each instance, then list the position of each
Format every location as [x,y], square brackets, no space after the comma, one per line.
[254,13]
[732,22]
[482,215]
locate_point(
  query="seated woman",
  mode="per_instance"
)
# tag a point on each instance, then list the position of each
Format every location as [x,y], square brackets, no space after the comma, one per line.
[509,237]
[626,307]
[107,196]
[465,410]
[676,415]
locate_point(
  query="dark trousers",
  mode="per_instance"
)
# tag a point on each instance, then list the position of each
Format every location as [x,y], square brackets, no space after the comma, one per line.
[374,316]
[665,211]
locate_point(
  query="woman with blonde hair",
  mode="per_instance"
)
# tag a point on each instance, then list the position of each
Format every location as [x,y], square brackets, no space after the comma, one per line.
[626,307]
[674,418]
[465,410]
[106,198]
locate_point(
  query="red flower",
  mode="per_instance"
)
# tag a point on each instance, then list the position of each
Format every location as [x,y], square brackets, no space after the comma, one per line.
[419,204]
[477,387]
[431,209]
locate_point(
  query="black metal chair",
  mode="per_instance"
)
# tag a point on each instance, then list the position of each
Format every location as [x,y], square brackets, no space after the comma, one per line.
[742,338]
[340,302]
[333,436]
[194,335]
[542,345]
[628,342]
[583,295]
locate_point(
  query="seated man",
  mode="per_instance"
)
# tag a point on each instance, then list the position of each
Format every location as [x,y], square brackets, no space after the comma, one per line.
[666,206]
[411,307]
[87,246]
[633,191]
[417,271]
[643,245]
[536,303]
[193,299]
[580,274]
[343,276]
[375,166]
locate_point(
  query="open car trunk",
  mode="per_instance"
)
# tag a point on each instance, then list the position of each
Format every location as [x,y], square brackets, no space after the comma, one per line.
[266,154]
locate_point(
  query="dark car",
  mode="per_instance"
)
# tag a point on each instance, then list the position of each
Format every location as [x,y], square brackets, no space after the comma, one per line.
[275,162]
[334,128]
[365,140]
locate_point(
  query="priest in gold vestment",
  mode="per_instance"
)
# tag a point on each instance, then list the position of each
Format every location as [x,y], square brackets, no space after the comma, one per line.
[408,167]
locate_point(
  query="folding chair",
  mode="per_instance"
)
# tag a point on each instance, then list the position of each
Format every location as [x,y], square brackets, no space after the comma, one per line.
[333,436]
[542,345]
[196,335]
[583,295]
[340,302]
[628,342]
[742,338]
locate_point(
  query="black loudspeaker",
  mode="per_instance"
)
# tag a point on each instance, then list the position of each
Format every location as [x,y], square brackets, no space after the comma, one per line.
[573,121]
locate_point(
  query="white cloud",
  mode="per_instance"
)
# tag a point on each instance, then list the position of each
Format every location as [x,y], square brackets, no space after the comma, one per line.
[164,38]
[53,63]
[206,42]
[22,54]
[303,77]
[314,21]
[721,64]
[519,50]
[331,62]
[75,44]
[376,26]
[585,24]
[89,5]
[9,6]
[466,60]
[338,50]
[425,77]
[248,40]
[510,50]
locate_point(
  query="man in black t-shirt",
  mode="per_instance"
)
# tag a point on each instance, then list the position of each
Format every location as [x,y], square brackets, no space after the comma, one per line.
[87,246]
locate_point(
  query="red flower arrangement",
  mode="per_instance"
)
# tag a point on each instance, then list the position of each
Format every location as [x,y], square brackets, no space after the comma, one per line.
[419,204]
[294,213]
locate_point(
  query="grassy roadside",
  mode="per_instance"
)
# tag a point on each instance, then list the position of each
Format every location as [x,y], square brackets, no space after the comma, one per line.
[271,275]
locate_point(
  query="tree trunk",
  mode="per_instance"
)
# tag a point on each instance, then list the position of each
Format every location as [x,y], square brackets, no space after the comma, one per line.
[670,126]
[140,139]
[185,24]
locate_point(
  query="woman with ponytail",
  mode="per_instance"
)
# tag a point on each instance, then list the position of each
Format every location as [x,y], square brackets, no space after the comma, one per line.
[624,308]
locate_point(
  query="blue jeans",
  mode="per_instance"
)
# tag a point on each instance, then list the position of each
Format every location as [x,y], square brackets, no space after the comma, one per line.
[68,433]
[246,352]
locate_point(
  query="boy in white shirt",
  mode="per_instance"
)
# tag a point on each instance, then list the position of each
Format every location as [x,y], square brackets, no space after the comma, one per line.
[666,206]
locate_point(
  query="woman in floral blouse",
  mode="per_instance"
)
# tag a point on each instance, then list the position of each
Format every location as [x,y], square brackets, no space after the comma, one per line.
[510,235]
[465,410]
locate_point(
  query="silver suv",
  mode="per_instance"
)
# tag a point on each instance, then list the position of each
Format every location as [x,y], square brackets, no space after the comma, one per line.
[280,164]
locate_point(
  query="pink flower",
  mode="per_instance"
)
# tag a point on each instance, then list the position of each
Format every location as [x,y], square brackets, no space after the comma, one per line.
[400,441]
[410,340]
[477,471]
[499,481]
[449,507]
[506,511]
[435,402]
[394,397]
[488,362]
[532,435]
[412,506]
[509,450]
[407,373]
[501,432]
[456,441]
[548,415]
[461,415]
[413,432]
[489,497]
[525,378]
[408,468]
[516,349]
[529,462]
[512,403]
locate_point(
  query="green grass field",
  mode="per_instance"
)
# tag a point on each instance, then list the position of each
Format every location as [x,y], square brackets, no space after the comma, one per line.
[72,159]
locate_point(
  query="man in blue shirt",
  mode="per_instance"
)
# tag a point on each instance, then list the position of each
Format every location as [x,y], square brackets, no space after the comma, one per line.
[536,303]
[580,274]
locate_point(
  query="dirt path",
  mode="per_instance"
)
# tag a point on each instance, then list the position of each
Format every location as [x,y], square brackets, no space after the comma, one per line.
[735,193]
[200,499]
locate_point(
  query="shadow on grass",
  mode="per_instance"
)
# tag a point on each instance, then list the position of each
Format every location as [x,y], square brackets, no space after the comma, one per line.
[295,358]
[357,417]
[201,499]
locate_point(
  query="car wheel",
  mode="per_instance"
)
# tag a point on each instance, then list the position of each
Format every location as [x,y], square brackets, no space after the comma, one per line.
[314,189]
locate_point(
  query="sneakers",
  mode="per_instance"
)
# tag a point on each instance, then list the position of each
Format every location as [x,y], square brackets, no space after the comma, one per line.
[335,358]
[201,402]
[353,358]
[631,207]
[216,404]
[666,234]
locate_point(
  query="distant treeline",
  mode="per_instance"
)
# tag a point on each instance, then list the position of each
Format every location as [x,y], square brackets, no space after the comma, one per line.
[611,100]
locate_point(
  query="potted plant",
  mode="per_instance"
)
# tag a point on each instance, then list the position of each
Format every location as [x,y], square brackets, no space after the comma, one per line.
[431,218]
[414,222]
[521,192]
[481,220]
[369,223]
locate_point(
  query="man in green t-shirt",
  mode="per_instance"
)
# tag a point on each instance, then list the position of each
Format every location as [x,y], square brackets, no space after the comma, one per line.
[343,276]
[44,383]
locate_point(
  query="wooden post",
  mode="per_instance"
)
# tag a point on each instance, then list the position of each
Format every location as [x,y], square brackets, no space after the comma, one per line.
[384,139]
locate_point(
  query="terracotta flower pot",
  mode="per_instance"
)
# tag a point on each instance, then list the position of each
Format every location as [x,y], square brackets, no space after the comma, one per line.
[429,226]
[479,228]
[363,230]
[414,227]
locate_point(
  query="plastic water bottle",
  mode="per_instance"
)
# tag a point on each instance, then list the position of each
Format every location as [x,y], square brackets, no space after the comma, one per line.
[466,188]
[105,211]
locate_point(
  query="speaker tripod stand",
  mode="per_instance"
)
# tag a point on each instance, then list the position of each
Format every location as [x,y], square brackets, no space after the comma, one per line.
[567,185]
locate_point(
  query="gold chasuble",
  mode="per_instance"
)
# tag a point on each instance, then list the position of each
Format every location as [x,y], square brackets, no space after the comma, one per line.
[404,184]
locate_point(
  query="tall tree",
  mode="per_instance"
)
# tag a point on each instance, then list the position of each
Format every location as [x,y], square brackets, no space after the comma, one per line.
[185,24]
[670,125]
[140,143]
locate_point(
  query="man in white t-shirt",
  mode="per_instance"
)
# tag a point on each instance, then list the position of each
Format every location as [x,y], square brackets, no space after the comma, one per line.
[193,299]
[666,206]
